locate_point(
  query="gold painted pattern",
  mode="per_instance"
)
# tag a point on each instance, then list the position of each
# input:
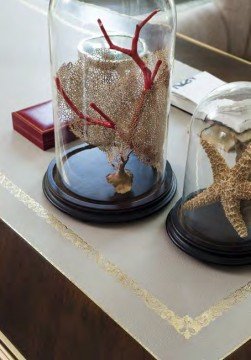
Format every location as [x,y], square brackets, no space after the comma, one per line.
[7,350]
[186,325]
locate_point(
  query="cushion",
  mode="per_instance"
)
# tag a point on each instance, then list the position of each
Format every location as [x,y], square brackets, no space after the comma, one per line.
[236,15]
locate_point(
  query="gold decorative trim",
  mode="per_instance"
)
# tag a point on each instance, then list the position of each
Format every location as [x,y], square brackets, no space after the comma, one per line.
[8,350]
[212,48]
[185,326]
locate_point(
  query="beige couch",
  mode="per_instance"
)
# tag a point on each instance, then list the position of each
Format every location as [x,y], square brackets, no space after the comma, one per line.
[225,24]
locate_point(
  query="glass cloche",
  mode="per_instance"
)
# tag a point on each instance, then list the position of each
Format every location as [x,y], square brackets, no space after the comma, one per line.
[111,72]
[212,221]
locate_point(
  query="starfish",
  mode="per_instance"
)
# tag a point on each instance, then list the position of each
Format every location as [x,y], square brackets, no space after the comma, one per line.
[230,186]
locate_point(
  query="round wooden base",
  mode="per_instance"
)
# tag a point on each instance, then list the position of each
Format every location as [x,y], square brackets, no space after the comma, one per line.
[89,197]
[222,250]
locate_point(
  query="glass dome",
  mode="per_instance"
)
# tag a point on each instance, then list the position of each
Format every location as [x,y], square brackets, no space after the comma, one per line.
[111,73]
[213,218]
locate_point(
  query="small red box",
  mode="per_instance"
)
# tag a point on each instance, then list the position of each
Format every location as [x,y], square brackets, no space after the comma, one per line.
[36,124]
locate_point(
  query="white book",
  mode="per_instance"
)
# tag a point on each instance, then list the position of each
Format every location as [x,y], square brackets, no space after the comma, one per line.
[188,93]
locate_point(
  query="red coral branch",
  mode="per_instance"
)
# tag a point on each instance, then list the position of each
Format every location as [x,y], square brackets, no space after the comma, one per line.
[89,120]
[68,100]
[133,52]
[102,114]
[155,72]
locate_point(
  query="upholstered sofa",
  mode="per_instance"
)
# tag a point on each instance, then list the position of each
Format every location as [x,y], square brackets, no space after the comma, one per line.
[225,24]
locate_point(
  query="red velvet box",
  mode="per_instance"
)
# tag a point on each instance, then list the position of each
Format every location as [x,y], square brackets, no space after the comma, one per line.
[36,124]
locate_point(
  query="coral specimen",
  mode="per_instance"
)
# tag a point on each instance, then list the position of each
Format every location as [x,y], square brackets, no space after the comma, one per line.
[107,122]
[149,76]
[230,186]
[133,119]
[122,179]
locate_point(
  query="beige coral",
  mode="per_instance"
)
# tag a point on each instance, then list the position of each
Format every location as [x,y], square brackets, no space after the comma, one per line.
[230,186]
[122,181]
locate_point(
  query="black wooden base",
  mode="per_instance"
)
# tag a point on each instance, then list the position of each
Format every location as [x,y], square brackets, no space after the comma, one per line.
[222,250]
[89,197]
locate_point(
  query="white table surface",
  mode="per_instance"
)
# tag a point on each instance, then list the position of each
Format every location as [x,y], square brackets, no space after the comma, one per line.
[174,306]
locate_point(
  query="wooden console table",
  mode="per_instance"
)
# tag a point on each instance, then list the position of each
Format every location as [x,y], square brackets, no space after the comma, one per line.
[70,290]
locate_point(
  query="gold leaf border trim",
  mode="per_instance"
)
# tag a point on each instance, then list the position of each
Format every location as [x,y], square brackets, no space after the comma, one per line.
[7,350]
[185,326]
